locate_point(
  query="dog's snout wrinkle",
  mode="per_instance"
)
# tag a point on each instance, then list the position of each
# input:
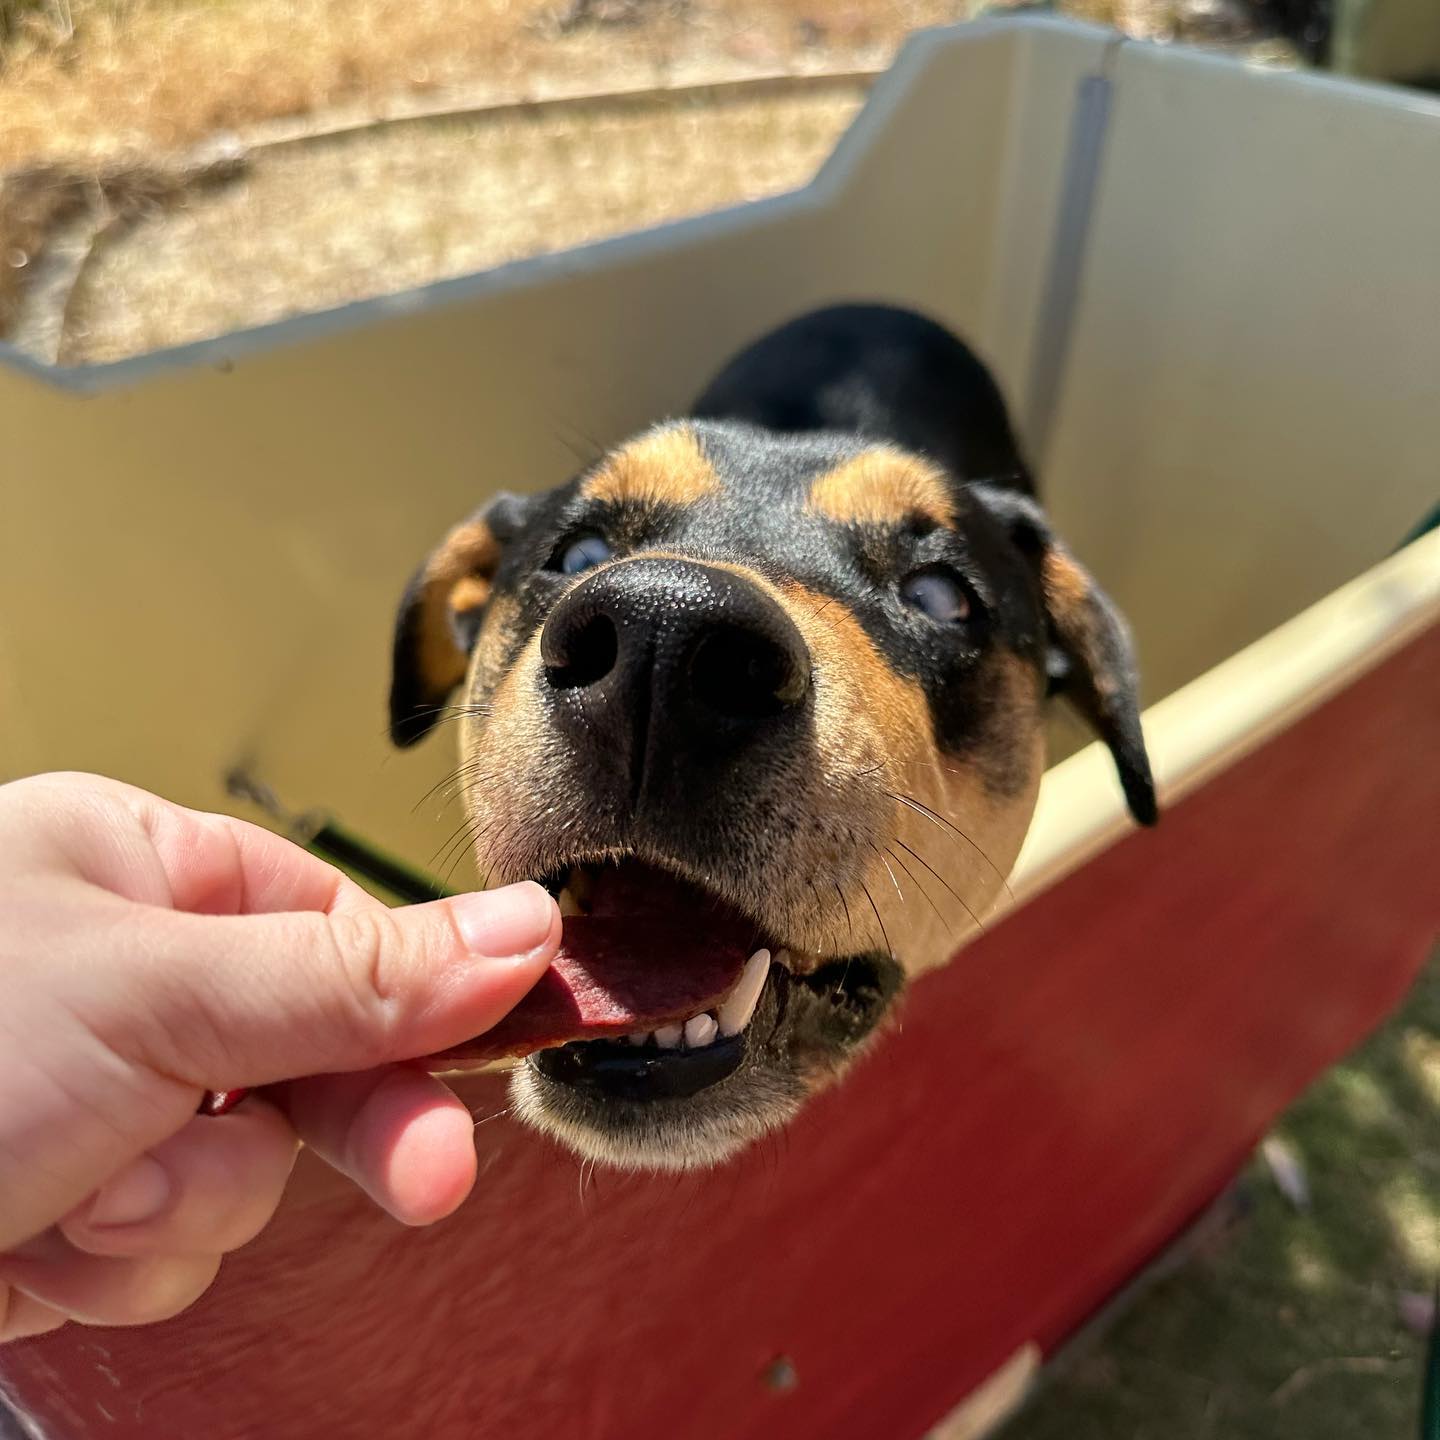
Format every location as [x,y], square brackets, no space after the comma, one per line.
[657,659]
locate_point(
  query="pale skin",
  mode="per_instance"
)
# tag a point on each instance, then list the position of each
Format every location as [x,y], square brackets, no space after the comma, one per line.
[149,953]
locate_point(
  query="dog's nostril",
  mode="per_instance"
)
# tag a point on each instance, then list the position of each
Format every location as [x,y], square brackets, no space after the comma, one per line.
[585,655]
[744,675]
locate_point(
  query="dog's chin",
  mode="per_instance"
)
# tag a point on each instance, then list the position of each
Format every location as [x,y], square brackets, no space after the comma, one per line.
[635,1108]
[657,1135]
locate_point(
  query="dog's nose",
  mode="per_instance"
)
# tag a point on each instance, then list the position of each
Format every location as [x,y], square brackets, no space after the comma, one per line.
[660,660]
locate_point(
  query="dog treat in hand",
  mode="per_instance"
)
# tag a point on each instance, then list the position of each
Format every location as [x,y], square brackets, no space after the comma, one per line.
[613,976]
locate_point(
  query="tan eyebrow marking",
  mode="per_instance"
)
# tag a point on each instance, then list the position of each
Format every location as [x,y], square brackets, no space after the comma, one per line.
[882,486]
[666,466]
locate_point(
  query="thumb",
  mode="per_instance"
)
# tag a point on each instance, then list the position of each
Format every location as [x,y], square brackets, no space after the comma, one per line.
[243,1000]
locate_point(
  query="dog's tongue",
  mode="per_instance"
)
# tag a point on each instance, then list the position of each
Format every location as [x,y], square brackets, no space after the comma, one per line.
[648,954]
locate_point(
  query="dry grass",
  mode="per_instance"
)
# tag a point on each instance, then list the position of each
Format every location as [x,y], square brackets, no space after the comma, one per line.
[45,210]
[87,82]
[32,207]
[95,92]
[436,200]
[91,82]
[131,79]
[92,91]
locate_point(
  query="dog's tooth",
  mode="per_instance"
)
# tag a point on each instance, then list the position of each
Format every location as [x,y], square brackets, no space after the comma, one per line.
[739,1004]
[700,1030]
[638,1037]
[569,905]
[668,1037]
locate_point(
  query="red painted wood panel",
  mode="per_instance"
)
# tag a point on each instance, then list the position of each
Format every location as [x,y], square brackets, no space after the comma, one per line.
[1059,1102]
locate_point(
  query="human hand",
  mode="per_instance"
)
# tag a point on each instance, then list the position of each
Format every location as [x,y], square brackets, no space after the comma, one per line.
[149,953]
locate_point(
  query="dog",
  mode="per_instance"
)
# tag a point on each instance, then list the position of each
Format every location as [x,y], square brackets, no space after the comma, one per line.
[760,696]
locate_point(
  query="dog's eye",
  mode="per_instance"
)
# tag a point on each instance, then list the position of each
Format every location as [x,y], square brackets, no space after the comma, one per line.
[937,594]
[583,553]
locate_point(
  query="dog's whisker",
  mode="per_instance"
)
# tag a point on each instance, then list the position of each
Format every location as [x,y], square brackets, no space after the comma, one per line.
[459,783]
[461,843]
[879,855]
[494,1115]
[958,900]
[923,809]
[463,852]
[845,905]
[444,721]
[587,1172]
[444,780]
[584,458]
[889,949]
[939,915]
[452,778]
[814,890]
[461,707]
[465,711]
[442,851]
[467,782]
[448,713]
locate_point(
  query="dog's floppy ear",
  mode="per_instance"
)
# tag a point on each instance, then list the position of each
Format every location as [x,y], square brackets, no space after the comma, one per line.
[441,614]
[1092,659]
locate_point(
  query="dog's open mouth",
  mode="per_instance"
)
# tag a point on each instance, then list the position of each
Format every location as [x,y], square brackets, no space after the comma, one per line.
[650,995]
[673,1028]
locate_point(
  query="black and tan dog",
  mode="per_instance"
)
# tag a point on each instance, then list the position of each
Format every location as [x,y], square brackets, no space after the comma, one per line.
[766,682]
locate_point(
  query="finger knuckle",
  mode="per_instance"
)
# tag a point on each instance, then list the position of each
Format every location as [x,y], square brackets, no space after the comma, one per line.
[368,951]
